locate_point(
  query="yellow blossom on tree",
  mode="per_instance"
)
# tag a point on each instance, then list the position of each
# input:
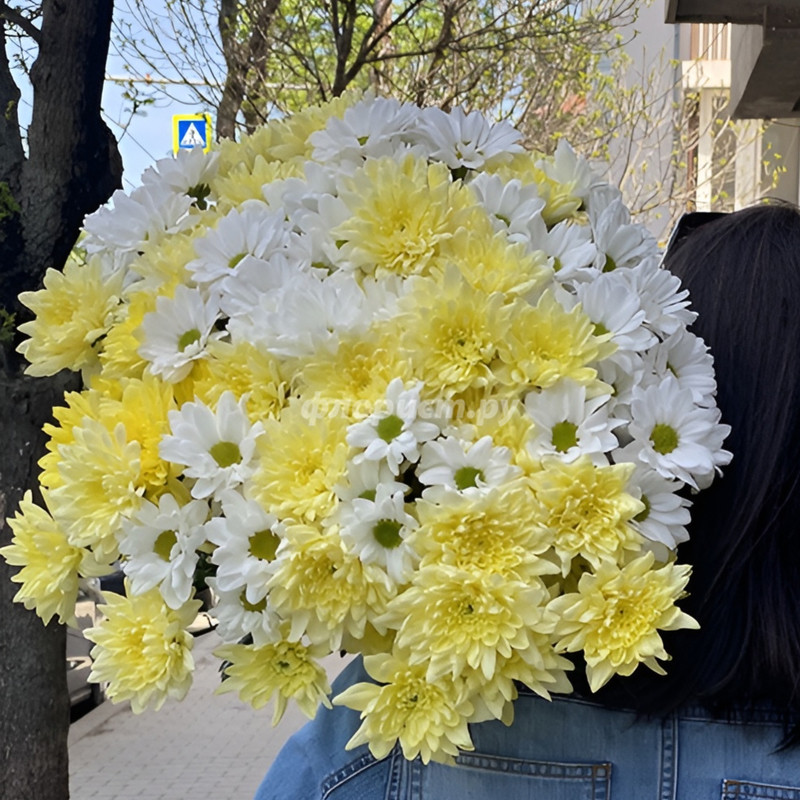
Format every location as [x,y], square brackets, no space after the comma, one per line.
[617,613]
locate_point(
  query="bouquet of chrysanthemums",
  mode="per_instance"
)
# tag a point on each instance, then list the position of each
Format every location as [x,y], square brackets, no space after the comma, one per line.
[388,383]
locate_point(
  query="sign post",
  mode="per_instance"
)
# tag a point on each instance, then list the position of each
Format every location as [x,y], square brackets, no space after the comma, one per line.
[190,131]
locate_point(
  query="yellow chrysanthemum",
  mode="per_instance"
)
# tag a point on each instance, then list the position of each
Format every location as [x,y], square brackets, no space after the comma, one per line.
[616,615]
[73,312]
[451,619]
[290,135]
[243,152]
[504,419]
[324,590]
[165,264]
[50,564]
[546,344]
[301,461]
[560,202]
[497,531]
[145,428]
[352,382]
[286,669]
[587,510]
[491,264]
[120,356]
[78,405]
[99,487]
[245,180]
[428,718]
[143,650]
[452,333]
[241,368]
[538,667]
[403,214]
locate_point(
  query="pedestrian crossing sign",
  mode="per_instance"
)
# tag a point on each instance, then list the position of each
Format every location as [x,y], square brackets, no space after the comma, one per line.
[190,131]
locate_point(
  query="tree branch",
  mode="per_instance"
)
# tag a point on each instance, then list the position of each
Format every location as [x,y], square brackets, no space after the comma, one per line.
[15,17]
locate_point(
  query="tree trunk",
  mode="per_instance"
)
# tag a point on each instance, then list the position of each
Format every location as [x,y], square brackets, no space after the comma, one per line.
[34,706]
[71,168]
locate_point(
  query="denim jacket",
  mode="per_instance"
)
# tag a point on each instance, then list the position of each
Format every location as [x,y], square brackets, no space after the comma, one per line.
[567,749]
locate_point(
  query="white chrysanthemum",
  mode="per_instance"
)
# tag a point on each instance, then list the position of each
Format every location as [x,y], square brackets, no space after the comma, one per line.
[568,168]
[686,356]
[665,302]
[452,464]
[217,449]
[188,172]
[249,236]
[510,204]
[614,307]
[363,478]
[623,379]
[376,531]
[144,216]
[570,246]
[177,332]
[372,128]
[394,434]
[568,424]
[237,617]
[159,545]
[666,513]
[247,538]
[674,436]
[619,242]
[306,315]
[464,140]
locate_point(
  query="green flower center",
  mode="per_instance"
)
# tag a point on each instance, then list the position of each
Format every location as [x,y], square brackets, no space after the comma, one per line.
[467,477]
[389,428]
[199,194]
[600,329]
[226,454]
[263,545]
[257,608]
[387,533]
[190,337]
[610,264]
[164,543]
[644,513]
[368,494]
[664,438]
[235,260]
[564,435]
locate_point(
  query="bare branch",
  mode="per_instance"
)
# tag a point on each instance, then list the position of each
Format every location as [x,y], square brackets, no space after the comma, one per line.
[15,17]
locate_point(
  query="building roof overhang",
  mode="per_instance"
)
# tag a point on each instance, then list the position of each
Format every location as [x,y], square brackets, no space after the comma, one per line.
[765,51]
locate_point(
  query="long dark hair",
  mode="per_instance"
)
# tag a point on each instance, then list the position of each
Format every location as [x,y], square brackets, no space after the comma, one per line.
[743,273]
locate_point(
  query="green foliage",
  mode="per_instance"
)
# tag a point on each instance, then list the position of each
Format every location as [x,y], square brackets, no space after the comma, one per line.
[8,328]
[8,203]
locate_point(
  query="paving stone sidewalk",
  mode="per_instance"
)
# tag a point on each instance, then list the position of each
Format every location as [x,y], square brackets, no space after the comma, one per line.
[208,746]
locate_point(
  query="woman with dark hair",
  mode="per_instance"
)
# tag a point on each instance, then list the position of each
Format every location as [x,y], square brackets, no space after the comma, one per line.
[723,722]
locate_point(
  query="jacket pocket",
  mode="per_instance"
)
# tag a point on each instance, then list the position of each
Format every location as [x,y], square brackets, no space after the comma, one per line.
[745,790]
[480,776]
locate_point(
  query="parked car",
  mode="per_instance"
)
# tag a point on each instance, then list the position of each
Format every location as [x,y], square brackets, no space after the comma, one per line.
[79,659]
